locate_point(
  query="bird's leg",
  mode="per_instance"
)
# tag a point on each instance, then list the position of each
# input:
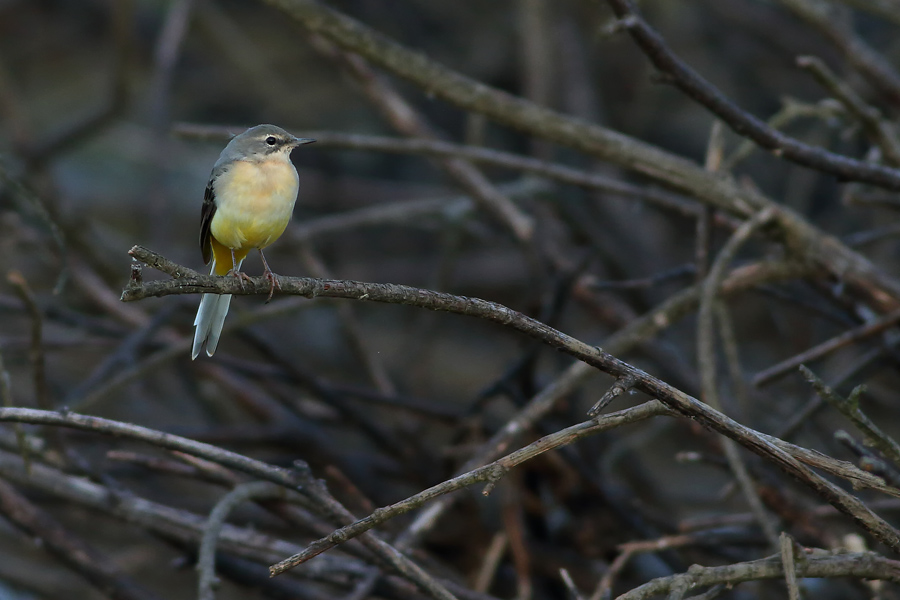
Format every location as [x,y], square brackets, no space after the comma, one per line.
[268,274]
[234,270]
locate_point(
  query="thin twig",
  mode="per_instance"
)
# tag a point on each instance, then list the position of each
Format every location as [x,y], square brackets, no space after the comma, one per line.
[706,358]
[410,213]
[365,586]
[45,147]
[206,560]
[877,70]
[406,119]
[682,272]
[570,585]
[298,478]
[178,348]
[284,477]
[790,568]
[849,407]
[99,570]
[511,518]
[621,385]
[603,591]
[38,361]
[815,402]
[6,400]
[352,329]
[490,561]
[848,337]
[638,331]
[877,127]
[868,460]
[29,200]
[488,473]
[386,554]
[169,522]
[696,87]
[790,111]
[730,349]
[168,466]
[535,409]
[712,593]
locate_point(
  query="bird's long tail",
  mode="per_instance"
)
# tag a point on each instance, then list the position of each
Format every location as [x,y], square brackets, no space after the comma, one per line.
[210,318]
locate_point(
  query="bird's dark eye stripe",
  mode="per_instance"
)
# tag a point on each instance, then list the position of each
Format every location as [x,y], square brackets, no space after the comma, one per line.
[271,140]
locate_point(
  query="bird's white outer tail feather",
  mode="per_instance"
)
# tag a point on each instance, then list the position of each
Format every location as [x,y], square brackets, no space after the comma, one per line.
[210,319]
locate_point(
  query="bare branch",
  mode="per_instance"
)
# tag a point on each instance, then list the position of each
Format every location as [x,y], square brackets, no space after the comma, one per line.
[99,570]
[870,329]
[717,190]
[877,70]
[849,407]
[487,156]
[298,479]
[206,561]
[706,358]
[595,357]
[868,564]
[488,473]
[695,86]
[790,566]
[876,126]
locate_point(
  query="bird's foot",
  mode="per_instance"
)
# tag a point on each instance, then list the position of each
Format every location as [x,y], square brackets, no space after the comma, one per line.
[273,283]
[241,276]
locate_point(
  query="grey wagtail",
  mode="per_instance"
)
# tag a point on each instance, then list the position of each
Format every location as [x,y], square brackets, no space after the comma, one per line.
[248,203]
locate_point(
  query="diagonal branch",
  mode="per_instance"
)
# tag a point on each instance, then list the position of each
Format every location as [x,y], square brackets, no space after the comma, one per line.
[672,397]
[489,473]
[299,479]
[876,69]
[682,76]
[102,572]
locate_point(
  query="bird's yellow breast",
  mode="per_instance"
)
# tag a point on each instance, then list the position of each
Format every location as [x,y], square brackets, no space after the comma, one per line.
[254,202]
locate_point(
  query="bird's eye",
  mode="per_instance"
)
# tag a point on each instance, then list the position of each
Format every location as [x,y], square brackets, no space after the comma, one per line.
[271,140]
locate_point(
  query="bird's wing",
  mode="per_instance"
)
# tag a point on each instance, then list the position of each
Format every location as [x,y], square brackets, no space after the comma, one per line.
[207,211]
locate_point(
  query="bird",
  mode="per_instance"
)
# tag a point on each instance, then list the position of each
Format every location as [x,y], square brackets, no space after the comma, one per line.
[248,203]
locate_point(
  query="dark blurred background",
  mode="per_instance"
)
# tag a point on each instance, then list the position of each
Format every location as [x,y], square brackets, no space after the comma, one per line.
[111,117]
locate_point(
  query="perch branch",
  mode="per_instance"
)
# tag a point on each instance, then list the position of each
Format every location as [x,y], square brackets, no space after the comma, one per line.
[597,358]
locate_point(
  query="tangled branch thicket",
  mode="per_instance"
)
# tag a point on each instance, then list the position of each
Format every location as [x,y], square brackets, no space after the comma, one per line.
[666,237]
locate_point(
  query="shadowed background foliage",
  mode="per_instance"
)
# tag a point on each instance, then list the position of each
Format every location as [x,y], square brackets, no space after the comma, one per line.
[112,114]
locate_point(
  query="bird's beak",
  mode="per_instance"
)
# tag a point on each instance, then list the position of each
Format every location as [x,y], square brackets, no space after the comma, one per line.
[301,141]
